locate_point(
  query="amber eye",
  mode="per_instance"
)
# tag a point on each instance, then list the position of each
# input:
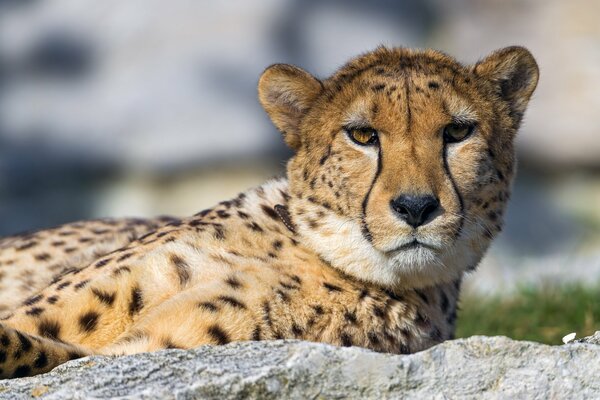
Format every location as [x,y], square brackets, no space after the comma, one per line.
[457,132]
[363,136]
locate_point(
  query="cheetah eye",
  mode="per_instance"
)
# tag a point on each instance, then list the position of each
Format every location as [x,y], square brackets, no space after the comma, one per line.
[457,132]
[363,136]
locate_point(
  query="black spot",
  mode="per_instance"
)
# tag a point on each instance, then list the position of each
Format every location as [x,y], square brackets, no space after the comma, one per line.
[267,313]
[378,88]
[121,270]
[125,257]
[5,340]
[318,309]
[82,284]
[2,356]
[346,339]
[374,108]
[284,215]
[325,156]
[52,299]
[283,295]
[223,214]
[41,361]
[182,268]
[256,333]
[137,302]
[255,227]
[331,288]
[218,334]
[296,330]
[22,371]
[219,232]
[88,321]
[404,349]
[363,294]
[169,344]
[197,222]
[26,246]
[350,317]
[34,311]
[49,329]
[102,263]
[433,85]
[243,215]
[104,297]
[379,312]
[277,245]
[373,338]
[208,306]
[233,282]
[43,257]
[393,295]
[33,300]
[288,286]
[269,212]
[63,285]
[232,301]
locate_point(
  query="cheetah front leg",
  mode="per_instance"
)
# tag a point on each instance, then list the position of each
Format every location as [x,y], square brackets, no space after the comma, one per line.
[216,314]
[22,354]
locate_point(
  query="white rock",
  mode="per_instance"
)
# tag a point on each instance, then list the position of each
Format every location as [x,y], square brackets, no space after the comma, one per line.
[474,368]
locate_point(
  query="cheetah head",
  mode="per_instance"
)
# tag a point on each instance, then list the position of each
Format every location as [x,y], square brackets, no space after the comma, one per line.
[403,159]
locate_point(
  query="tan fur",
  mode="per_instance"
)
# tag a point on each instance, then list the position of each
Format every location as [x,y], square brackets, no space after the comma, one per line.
[316,256]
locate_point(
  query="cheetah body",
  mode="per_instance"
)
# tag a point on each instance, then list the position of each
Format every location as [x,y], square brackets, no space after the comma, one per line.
[313,256]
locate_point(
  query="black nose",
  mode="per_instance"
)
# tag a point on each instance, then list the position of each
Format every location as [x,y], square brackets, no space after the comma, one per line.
[415,209]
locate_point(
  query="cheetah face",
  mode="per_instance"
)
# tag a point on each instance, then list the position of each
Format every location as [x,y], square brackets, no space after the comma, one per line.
[404,158]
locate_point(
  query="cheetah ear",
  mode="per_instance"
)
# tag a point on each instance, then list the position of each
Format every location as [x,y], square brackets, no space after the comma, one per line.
[515,72]
[286,93]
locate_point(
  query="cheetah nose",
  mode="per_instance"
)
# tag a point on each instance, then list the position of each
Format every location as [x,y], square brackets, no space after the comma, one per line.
[415,209]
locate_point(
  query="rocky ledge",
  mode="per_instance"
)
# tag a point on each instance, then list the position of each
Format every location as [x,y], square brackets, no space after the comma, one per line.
[478,367]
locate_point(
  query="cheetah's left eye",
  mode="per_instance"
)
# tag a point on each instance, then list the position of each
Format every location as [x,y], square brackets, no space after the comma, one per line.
[456,132]
[363,136]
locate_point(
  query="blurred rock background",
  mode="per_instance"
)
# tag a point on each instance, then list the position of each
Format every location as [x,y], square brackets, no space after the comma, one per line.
[145,107]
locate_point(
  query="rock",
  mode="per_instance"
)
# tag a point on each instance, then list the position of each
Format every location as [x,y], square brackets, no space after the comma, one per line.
[478,367]
[594,339]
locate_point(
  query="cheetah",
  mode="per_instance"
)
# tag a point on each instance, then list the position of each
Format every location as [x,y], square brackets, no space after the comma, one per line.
[401,174]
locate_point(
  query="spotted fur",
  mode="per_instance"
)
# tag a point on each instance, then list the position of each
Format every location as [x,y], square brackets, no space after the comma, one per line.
[318,255]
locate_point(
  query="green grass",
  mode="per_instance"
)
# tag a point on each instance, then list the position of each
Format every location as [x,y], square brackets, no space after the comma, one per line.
[543,314]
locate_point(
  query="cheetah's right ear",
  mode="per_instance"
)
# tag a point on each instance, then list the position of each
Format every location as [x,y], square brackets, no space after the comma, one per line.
[286,93]
[515,73]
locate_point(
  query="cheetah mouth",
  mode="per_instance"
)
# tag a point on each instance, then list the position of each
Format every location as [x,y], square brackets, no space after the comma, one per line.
[412,245]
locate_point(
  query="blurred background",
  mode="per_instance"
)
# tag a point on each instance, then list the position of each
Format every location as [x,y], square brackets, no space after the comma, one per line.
[146,107]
